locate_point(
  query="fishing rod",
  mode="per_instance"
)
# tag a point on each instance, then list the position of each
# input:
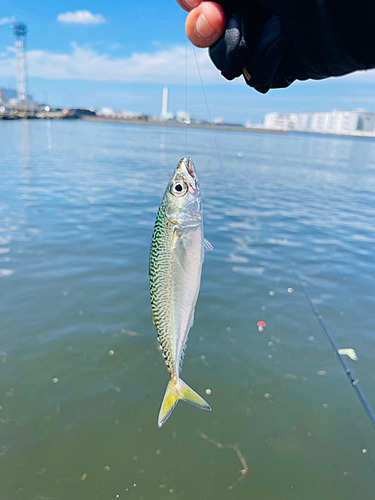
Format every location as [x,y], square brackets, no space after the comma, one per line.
[354,382]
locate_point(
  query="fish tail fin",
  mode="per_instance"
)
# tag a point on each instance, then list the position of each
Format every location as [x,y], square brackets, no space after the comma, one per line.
[176,390]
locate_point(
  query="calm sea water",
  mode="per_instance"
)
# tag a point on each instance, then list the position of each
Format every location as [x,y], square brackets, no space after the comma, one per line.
[81,379]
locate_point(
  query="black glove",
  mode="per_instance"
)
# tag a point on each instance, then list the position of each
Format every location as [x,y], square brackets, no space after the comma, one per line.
[275,42]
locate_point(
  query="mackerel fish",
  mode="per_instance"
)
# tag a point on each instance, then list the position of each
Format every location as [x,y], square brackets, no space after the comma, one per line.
[176,258]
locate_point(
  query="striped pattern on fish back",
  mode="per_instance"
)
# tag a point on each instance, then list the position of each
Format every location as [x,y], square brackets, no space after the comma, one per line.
[160,271]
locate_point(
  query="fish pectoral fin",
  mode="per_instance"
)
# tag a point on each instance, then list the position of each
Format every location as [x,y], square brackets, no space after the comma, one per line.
[175,236]
[175,391]
[207,245]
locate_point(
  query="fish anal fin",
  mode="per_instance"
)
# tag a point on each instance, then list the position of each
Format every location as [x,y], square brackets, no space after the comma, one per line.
[192,320]
[176,390]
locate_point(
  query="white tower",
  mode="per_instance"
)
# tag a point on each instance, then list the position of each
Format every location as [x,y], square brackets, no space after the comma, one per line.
[164,108]
[20,32]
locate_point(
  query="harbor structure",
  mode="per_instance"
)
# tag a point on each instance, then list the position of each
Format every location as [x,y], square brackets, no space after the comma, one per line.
[20,32]
[358,122]
[19,104]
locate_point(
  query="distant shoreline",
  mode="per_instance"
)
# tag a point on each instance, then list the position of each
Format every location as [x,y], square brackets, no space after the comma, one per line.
[180,125]
[360,134]
[206,126]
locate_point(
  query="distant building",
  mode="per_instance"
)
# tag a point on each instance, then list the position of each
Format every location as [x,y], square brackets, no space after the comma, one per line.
[118,115]
[359,122]
[11,105]
[276,121]
[165,115]
[183,116]
[164,106]
[108,112]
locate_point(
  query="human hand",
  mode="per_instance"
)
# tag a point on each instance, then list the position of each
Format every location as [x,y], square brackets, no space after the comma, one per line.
[272,43]
[205,23]
[230,28]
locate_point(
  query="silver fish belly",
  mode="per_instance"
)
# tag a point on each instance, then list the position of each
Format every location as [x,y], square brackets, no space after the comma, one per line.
[176,258]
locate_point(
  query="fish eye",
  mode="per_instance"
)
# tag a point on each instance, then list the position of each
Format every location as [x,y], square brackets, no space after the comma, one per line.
[178,188]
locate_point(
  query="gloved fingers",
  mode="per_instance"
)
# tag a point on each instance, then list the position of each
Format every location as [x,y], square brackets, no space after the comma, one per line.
[232,51]
[267,66]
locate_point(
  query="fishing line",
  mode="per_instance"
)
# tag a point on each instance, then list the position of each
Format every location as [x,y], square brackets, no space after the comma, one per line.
[186,95]
[354,382]
[208,110]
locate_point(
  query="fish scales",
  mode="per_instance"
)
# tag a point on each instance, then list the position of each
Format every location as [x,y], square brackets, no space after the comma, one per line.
[160,277]
[176,258]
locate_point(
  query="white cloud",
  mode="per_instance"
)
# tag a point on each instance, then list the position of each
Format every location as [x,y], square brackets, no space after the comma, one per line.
[84,63]
[81,17]
[115,46]
[6,20]
[160,66]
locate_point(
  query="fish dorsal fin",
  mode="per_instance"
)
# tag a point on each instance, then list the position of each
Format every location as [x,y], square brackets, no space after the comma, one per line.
[207,245]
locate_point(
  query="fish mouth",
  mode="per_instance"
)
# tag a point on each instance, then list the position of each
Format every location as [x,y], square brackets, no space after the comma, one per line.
[191,169]
[190,172]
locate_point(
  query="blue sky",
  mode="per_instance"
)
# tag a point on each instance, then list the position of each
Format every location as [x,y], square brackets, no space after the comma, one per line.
[120,54]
